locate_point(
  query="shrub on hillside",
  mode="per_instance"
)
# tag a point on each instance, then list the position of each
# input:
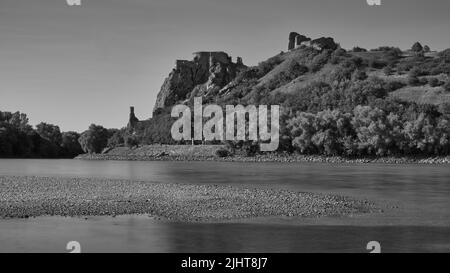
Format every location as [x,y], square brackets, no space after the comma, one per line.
[413,77]
[394,85]
[360,75]
[444,109]
[416,72]
[434,82]
[413,80]
[359,49]
[447,86]
[377,64]
[388,70]
[417,47]
[267,66]
[222,153]
[319,61]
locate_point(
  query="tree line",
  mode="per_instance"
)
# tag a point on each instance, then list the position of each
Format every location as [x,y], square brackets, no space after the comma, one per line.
[18,139]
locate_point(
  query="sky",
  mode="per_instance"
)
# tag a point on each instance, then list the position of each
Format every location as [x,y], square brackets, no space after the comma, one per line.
[73,66]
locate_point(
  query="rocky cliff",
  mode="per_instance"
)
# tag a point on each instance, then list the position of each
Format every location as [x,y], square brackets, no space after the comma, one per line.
[205,75]
[209,73]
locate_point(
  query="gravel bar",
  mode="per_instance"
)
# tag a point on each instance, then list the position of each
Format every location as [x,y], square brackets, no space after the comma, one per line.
[24,197]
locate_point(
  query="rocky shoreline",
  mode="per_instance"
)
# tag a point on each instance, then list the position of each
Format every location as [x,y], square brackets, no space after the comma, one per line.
[281,158]
[24,197]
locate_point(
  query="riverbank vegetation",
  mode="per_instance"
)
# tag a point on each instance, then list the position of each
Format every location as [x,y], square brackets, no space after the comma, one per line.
[18,139]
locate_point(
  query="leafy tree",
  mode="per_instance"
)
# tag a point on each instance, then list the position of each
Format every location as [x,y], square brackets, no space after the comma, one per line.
[70,145]
[325,132]
[94,140]
[376,131]
[49,145]
[6,141]
[49,132]
[417,47]
[117,139]
[20,121]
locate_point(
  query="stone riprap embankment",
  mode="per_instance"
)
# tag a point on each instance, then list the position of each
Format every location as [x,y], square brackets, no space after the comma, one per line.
[208,153]
[23,197]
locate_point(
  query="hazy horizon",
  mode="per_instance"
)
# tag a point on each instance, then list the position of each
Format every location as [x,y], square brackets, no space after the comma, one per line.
[73,66]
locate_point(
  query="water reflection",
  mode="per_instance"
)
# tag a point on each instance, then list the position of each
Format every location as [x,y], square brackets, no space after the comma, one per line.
[140,234]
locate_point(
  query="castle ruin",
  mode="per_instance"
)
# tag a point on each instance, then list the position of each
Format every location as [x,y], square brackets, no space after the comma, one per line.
[207,72]
[297,40]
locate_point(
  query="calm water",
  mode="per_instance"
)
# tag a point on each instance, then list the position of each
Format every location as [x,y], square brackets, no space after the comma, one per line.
[415,199]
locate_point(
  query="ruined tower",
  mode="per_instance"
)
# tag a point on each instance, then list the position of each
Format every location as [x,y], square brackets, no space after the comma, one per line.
[133,121]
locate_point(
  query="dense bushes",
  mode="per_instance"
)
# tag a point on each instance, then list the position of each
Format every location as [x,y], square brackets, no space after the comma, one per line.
[369,131]
[222,153]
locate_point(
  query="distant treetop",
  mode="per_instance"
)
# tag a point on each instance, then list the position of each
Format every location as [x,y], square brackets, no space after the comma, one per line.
[417,47]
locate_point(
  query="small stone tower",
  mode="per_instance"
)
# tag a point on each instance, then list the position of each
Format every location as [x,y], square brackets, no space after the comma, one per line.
[133,121]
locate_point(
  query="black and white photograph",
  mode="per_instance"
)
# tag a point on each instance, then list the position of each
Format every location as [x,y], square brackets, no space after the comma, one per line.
[224,131]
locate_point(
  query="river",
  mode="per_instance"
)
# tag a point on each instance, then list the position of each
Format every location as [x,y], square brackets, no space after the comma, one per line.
[415,200]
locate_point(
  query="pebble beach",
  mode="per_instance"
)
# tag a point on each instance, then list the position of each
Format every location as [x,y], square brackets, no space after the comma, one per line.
[29,196]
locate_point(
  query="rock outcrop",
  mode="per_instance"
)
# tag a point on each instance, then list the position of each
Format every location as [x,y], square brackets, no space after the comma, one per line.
[207,73]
